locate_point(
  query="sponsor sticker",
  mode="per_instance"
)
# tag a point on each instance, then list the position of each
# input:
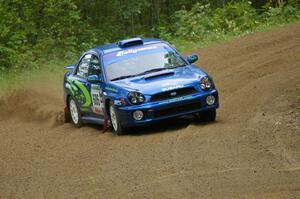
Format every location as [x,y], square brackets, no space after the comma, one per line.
[111,89]
[177,99]
[172,87]
[134,51]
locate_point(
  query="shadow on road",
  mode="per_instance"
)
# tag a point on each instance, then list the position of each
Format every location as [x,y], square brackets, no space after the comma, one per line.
[164,126]
[156,127]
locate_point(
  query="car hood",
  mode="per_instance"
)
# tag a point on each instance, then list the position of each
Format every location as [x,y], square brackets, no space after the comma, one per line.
[161,81]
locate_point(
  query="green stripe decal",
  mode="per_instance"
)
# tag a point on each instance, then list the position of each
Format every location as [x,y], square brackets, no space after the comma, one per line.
[85,92]
[75,87]
[68,86]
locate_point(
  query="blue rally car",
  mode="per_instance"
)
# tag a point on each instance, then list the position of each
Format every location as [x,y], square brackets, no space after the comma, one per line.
[135,82]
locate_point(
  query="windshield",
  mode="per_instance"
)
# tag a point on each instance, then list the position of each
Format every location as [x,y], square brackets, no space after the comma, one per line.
[140,60]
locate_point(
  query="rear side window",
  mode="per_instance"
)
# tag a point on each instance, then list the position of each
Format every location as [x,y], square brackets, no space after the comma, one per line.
[83,66]
[94,66]
[89,65]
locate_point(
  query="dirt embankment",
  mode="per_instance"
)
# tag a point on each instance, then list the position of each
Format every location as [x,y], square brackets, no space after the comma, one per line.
[251,151]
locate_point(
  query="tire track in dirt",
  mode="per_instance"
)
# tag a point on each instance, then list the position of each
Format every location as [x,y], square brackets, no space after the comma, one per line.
[251,151]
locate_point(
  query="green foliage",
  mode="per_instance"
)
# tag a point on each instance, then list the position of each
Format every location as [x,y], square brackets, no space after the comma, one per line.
[31,29]
[35,31]
[283,14]
[298,99]
[7,58]
[203,22]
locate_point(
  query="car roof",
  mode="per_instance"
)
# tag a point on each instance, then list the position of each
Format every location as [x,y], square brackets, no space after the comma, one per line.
[112,47]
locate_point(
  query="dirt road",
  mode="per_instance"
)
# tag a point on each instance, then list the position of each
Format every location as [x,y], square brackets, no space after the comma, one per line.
[251,151]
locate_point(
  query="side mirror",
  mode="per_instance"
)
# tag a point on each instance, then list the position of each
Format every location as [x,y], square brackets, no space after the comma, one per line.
[93,79]
[192,58]
[70,67]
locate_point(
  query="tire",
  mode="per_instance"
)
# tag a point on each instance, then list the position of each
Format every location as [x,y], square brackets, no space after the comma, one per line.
[116,126]
[75,114]
[208,115]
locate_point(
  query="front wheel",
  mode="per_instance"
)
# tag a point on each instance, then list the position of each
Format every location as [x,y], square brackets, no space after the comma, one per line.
[75,113]
[117,128]
[208,115]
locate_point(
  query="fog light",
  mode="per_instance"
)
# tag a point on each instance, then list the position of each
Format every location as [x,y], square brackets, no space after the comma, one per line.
[210,100]
[138,115]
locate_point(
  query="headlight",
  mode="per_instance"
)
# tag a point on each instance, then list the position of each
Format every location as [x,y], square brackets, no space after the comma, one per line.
[206,83]
[136,98]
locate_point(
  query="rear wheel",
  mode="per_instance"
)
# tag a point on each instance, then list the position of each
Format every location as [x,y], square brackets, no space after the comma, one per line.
[75,113]
[208,115]
[117,128]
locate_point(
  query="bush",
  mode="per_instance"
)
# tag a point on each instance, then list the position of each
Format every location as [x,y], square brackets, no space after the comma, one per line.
[8,58]
[202,20]
[204,23]
[282,14]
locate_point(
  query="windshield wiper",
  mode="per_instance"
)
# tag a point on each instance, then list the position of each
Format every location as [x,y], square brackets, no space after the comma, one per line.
[178,66]
[181,65]
[122,77]
[152,70]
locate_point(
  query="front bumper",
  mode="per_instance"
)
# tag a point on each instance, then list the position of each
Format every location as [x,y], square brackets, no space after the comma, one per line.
[160,110]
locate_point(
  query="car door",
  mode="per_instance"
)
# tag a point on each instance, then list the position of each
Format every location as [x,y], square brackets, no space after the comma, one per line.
[88,93]
[95,88]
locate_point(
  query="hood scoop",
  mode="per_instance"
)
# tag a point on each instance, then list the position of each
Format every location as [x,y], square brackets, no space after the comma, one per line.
[159,75]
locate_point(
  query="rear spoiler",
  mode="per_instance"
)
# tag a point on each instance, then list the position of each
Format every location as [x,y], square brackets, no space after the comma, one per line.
[70,67]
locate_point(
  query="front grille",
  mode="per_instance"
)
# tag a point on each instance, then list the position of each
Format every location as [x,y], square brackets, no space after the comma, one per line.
[173,94]
[177,109]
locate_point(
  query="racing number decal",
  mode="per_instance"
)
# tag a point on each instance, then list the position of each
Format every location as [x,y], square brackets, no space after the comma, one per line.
[97,99]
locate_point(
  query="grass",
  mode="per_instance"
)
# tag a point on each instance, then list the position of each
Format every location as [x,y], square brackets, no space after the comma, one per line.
[298,99]
[53,70]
